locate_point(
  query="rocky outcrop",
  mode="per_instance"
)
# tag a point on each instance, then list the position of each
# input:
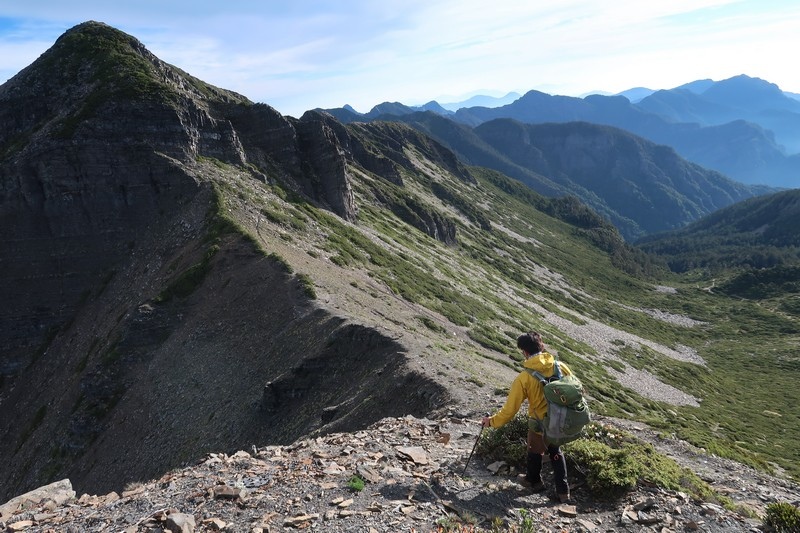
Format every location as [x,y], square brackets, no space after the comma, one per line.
[392,141]
[93,138]
[53,494]
[413,477]
[416,214]
[320,141]
[376,162]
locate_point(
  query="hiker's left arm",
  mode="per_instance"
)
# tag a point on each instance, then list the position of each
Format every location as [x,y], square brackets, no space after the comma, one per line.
[515,397]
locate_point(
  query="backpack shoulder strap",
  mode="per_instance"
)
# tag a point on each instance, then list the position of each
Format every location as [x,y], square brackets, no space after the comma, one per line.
[538,376]
[557,370]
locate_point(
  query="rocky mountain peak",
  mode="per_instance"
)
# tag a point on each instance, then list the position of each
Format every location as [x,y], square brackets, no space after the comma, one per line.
[93,55]
[99,83]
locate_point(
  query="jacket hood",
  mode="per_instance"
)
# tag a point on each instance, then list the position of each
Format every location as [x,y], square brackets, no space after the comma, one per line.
[540,362]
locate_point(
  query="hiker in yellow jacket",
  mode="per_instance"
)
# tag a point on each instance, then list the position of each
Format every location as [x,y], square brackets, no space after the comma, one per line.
[526,387]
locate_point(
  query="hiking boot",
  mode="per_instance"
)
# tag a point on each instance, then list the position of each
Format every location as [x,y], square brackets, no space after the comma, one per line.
[535,486]
[561,498]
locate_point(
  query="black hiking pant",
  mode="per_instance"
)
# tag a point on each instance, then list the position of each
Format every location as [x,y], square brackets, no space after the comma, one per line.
[536,451]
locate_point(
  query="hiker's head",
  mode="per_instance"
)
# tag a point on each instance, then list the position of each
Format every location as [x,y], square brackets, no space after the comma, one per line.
[531,343]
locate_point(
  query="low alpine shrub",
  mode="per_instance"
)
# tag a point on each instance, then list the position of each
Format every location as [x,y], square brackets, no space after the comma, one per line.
[356,484]
[782,517]
[507,443]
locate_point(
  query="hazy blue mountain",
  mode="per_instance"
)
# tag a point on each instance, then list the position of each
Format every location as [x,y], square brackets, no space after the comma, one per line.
[434,106]
[636,93]
[683,105]
[737,98]
[743,127]
[750,94]
[742,150]
[390,108]
[697,86]
[641,187]
[482,100]
[399,109]
[536,107]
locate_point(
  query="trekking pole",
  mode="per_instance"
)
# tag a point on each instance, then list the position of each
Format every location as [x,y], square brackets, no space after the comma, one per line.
[473,447]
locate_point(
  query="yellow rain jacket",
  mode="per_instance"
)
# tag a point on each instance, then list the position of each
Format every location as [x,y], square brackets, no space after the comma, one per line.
[527,387]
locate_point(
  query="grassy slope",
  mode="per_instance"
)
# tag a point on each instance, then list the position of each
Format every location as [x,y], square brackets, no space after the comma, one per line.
[495,283]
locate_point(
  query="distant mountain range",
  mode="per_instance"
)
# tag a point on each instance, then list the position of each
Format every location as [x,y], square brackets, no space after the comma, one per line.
[483,101]
[639,186]
[743,127]
[711,103]
[480,100]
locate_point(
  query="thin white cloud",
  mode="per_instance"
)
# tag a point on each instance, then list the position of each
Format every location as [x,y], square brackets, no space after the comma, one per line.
[317,53]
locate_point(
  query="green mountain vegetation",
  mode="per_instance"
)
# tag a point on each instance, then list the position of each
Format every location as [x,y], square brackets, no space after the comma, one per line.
[536,266]
[297,276]
[757,233]
[639,186]
[748,250]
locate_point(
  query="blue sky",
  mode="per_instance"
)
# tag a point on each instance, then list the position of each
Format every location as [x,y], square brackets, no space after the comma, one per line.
[301,54]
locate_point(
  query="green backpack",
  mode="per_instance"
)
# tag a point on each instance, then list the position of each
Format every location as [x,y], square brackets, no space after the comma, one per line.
[567,411]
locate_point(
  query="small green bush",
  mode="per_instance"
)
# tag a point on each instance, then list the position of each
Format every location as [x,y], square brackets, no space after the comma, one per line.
[457,524]
[430,324]
[476,381]
[782,517]
[508,443]
[609,471]
[307,285]
[489,338]
[614,462]
[528,521]
[356,484]
[191,278]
